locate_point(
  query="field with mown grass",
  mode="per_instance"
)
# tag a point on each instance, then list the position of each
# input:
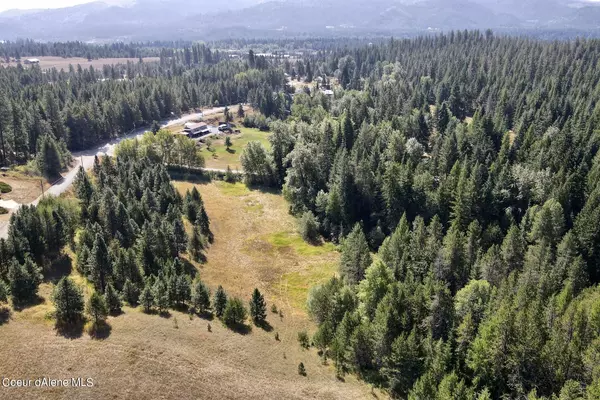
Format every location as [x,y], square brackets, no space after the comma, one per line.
[219,157]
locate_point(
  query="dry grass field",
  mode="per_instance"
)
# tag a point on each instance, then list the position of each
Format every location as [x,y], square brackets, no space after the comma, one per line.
[49,62]
[152,357]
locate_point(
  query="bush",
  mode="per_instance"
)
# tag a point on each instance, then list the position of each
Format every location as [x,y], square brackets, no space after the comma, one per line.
[303,339]
[301,369]
[5,187]
[309,227]
[3,211]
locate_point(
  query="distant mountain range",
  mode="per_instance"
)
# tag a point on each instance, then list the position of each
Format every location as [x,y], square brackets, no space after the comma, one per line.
[210,19]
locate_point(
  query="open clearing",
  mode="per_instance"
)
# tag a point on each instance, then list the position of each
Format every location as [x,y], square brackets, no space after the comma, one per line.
[219,157]
[49,62]
[150,357]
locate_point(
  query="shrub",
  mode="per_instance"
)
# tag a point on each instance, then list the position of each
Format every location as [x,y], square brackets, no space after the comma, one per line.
[5,187]
[303,339]
[301,369]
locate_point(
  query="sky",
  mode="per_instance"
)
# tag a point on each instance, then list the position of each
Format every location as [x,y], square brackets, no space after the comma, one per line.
[29,4]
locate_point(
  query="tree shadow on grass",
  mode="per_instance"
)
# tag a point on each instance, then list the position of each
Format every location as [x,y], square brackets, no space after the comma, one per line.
[205,315]
[164,314]
[265,326]
[231,151]
[188,267]
[5,314]
[22,305]
[263,188]
[242,329]
[100,330]
[59,268]
[70,330]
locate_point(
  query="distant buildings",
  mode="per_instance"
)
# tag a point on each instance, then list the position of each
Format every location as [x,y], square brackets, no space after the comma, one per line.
[31,61]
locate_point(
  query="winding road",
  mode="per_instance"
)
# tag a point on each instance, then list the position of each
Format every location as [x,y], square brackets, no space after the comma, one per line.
[86,157]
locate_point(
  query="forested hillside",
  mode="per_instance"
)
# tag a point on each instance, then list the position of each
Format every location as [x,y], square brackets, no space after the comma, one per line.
[460,174]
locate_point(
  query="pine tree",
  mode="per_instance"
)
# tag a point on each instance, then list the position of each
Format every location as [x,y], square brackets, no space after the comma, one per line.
[24,281]
[220,301]
[161,296]
[146,298]
[240,111]
[356,256]
[196,245]
[96,308]
[258,307]
[3,292]
[235,313]
[99,264]
[112,299]
[48,158]
[130,293]
[200,297]
[68,300]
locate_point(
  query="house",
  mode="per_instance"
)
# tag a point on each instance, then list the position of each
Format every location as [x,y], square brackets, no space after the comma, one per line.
[195,129]
[32,61]
[328,92]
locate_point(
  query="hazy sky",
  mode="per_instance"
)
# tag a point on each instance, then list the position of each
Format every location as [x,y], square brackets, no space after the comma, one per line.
[27,4]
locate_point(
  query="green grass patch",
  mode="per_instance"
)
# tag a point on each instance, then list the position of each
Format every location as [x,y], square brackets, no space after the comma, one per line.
[296,285]
[237,189]
[284,240]
[5,187]
[220,157]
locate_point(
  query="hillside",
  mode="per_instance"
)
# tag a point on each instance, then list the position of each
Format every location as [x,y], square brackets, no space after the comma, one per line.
[175,19]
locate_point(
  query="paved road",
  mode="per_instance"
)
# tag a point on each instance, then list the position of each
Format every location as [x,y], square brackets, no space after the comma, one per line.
[87,157]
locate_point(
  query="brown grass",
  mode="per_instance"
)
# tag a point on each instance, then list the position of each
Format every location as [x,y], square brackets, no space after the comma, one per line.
[25,188]
[150,357]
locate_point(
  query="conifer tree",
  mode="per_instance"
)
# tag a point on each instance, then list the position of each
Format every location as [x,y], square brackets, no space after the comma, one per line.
[200,297]
[24,280]
[161,296]
[196,244]
[68,300]
[48,158]
[99,263]
[3,292]
[258,307]
[147,298]
[112,299]
[235,313]
[130,293]
[220,301]
[96,308]
[356,256]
